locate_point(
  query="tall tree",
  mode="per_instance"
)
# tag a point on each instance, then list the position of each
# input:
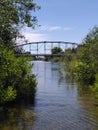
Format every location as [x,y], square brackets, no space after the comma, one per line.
[84,65]
[16,79]
[13,15]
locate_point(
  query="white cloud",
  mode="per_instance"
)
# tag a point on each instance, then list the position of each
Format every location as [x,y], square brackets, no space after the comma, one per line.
[32,37]
[55,28]
[35,37]
[50,28]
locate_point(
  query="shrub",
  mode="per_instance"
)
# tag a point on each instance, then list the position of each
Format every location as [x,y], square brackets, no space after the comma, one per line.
[15,76]
[94,87]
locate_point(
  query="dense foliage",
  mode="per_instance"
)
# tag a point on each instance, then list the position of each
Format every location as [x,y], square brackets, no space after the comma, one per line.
[94,87]
[16,80]
[15,14]
[84,64]
[56,50]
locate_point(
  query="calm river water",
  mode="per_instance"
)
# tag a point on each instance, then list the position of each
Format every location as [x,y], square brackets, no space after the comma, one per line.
[59,104]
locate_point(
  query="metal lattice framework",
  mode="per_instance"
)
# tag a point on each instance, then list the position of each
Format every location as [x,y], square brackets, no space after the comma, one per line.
[43,48]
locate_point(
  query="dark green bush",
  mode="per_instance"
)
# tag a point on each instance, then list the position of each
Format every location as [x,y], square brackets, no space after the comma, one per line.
[15,76]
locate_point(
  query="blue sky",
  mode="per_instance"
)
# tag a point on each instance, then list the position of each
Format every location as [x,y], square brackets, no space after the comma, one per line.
[64,20]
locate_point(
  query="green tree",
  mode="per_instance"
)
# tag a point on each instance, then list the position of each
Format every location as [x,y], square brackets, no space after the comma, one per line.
[84,65]
[16,79]
[15,14]
[56,50]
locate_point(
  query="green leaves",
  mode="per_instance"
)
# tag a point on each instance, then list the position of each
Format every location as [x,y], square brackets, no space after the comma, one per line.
[16,78]
[7,94]
[15,14]
[15,73]
[84,72]
[84,64]
[94,87]
[56,50]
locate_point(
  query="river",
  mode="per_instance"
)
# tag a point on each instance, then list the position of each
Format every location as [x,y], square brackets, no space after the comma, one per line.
[59,104]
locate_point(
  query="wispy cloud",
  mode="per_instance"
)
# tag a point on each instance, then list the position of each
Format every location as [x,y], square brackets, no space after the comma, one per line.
[55,28]
[41,33]
[50,28]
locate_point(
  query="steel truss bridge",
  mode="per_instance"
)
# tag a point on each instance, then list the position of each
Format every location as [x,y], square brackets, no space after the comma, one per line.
[43,48]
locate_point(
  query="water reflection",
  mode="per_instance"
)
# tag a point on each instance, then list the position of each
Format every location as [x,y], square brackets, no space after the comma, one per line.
[17,119]
[19,116]
[87,103]
[60,104]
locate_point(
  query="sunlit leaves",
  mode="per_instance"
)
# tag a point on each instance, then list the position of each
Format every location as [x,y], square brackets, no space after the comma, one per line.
[84,65]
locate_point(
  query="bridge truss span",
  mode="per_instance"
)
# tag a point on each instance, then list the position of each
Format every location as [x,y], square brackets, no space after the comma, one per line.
[43,48]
